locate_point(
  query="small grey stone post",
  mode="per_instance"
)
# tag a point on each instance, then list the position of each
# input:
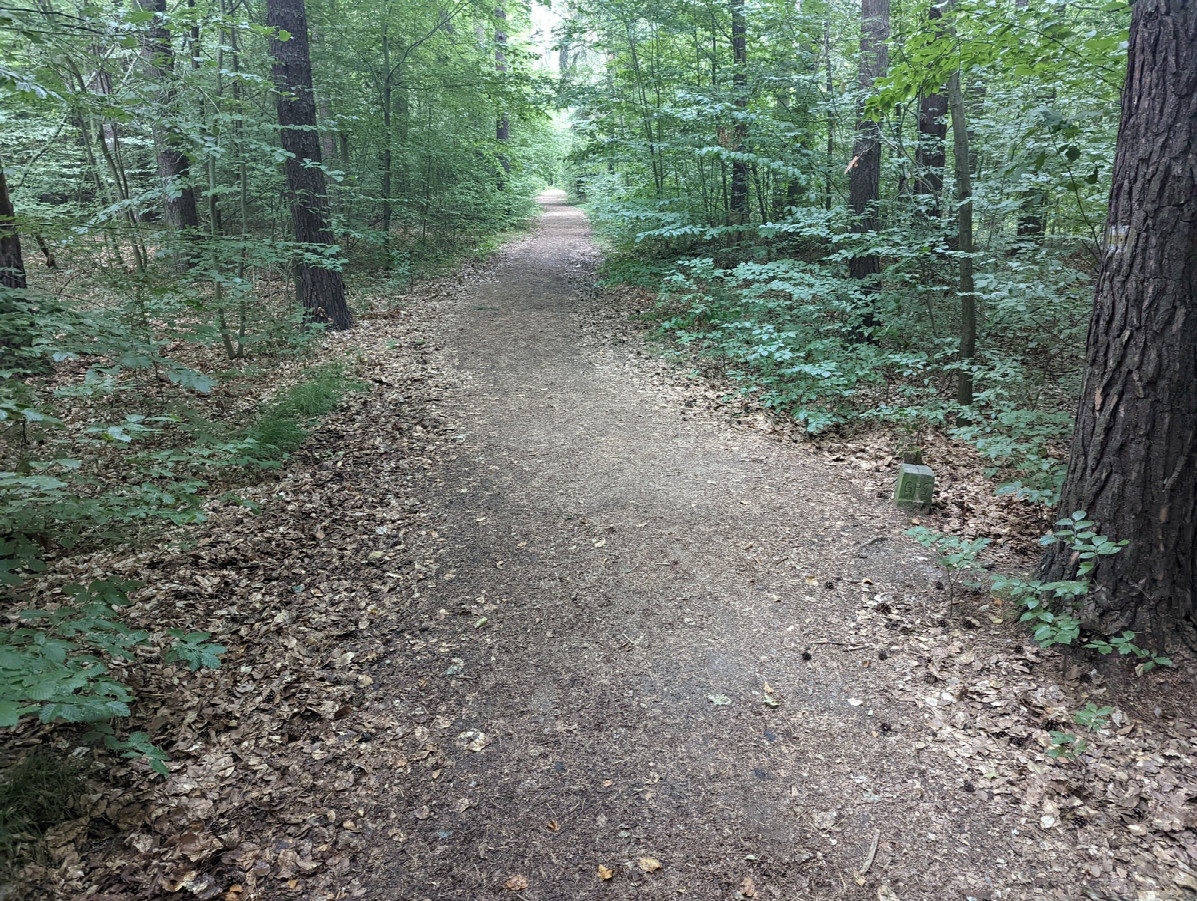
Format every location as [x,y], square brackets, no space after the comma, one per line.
[916,485]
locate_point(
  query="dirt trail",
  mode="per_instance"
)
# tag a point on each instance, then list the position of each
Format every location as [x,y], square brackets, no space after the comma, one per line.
[673,663]
[530,609]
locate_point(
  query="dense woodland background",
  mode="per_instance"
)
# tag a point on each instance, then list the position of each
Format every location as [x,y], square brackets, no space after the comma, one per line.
[868,214]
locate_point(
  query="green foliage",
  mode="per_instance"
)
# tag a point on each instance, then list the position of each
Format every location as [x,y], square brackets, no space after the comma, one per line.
[194,649]
[957,555]
[57,662]
[770,298]
[1093,717]
[1066,745]
[1048,608]
[1078,533]
[283,425]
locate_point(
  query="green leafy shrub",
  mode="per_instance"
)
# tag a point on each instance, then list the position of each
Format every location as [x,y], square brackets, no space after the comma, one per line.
[1048,608]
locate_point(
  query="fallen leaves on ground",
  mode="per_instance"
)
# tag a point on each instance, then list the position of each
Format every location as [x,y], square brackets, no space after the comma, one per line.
[516,883]
[276,758]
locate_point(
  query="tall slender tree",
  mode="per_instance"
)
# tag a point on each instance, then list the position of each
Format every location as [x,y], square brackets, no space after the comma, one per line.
[929,154]
[738,196]
[320,287]
[174,166]
[964,240]
[502,124]
[864,177]
[1133,466]
[12,264]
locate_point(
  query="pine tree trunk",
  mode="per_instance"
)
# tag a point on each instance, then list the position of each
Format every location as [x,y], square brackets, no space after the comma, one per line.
[864,177]
[174,167]
[1134,452]
[738,197]
[321,289]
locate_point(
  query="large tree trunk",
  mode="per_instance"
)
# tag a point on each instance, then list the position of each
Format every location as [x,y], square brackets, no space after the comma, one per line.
[12,264]
[864,177]
[174,167]
[321,289]
[738,197]
[929,156]
[1134,452]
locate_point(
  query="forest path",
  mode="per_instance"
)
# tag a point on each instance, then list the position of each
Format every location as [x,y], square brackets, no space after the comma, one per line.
[651,575]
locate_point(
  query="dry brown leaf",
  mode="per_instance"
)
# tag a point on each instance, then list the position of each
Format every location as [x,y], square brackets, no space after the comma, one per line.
[605,873]
[554,825]
[748,887]
[516,883]
[650,864]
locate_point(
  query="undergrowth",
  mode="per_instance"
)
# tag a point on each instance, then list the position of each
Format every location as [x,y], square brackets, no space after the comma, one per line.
[37,793]
[816,348]
[56,656]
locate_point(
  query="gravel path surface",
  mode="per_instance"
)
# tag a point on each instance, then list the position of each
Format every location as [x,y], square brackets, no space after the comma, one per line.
[650,659]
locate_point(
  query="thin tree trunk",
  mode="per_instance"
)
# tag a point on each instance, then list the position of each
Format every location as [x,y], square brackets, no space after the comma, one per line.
[964,241]
[1133,466]
[388,137]
[321,289]
[830,88]
[12,264]
[864,177]
[174,166]
[328,136]
[930,154]
[738,200]
[502,125]
[1032,215]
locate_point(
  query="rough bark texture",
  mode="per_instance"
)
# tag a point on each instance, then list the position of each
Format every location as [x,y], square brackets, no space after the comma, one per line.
[930,155]
[174,166]
[321,289]
[1134,452]
[738,198]
[12,264]
[864,177]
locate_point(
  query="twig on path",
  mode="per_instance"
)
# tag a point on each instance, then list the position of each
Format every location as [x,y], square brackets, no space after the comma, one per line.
[842,645]
[868,861]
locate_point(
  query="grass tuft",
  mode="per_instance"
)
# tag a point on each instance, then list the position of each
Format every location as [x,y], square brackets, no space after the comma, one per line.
[37,793]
